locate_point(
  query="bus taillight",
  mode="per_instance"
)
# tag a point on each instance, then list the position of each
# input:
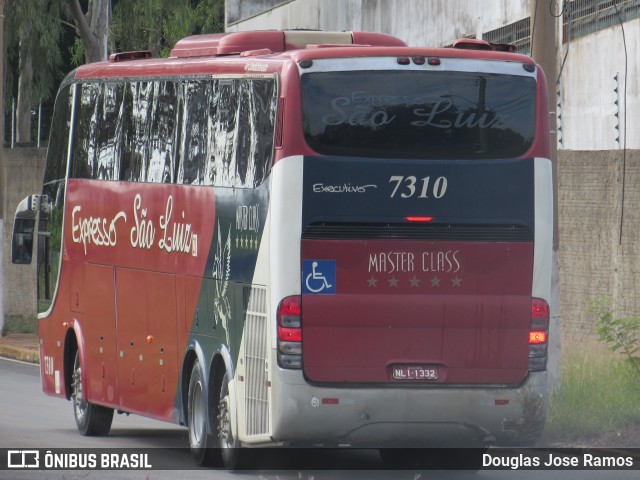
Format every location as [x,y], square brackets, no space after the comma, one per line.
[538,335]
[416,219]
[290,333]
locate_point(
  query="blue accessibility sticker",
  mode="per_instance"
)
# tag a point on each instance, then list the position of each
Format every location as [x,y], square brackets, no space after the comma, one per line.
[319,277]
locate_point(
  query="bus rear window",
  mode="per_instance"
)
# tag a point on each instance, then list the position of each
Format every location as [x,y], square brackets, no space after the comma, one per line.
[422,115]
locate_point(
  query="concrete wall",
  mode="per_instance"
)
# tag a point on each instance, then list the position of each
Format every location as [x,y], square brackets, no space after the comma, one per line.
[417,22]
[586,84]
[23,170]
[587,89]
[595,260]
[239,11]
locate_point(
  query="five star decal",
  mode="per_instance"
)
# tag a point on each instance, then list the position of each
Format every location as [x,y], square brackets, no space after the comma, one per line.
[247,242]
[414,282]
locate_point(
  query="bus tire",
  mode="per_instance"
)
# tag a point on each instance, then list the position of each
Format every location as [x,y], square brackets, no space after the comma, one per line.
[234,457]
[201,443]
[91,420]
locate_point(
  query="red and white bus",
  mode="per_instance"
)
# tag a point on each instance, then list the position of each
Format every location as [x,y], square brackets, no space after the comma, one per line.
[299,238]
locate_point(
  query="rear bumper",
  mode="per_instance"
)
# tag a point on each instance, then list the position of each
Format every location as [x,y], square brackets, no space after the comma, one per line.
[411,416]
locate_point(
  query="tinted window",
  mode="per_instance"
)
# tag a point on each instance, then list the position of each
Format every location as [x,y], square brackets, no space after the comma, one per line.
[195,104]
[196,132]
[56,165]
[228,132]
[85,135]
[225,133]
[431,115]
[137,129]
[260,110]
[163,137]
[108,143]
[97,132]
[49,240]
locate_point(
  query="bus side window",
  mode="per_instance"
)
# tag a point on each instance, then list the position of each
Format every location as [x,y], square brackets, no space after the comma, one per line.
[135,145]
[212,172]
[56,163]
[225,137]
[108,133]
[88,111]
[244,140]
[48,244]
[162,138]
[262,113]
[195,129]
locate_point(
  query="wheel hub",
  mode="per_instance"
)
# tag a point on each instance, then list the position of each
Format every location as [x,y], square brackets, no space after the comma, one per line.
[224,426]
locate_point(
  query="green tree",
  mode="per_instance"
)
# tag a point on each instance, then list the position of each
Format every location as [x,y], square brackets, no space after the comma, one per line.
[31,33]
[210,16]
[92,28]
[156,25]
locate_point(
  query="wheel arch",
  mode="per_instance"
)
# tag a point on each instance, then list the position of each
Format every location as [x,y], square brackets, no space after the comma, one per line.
[190,357]
[73,342]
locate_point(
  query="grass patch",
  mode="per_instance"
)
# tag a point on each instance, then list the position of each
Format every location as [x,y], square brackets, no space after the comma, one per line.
[599,392]
[19,324]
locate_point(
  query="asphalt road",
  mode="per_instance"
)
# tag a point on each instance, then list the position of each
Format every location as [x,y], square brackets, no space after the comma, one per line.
[29,419]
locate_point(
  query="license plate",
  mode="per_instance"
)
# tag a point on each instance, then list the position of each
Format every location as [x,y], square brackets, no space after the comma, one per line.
[413,372]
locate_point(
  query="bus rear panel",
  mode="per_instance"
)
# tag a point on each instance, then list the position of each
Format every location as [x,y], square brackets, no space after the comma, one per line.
[425,227]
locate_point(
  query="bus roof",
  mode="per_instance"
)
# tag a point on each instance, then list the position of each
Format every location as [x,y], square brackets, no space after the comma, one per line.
[229,53]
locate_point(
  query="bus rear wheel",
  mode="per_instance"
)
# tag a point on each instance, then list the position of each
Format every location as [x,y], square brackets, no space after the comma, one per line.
[233,456]
[91,420]
[202,444]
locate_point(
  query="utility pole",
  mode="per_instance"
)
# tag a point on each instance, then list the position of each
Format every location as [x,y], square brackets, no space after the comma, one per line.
[544,48]
[2,169]
[544,45]
[1,85]
[2,163]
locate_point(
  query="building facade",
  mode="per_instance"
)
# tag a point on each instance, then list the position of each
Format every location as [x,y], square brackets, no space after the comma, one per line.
[598,84]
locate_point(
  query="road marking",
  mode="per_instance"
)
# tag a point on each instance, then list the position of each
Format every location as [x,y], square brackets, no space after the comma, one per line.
[19,361]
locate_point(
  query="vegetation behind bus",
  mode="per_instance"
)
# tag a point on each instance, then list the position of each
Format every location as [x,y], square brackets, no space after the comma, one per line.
[44,40]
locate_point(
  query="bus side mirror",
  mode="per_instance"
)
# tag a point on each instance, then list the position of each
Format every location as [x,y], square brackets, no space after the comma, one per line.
[23,230]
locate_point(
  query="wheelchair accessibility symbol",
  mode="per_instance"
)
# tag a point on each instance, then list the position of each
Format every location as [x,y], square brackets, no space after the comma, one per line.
[319,277]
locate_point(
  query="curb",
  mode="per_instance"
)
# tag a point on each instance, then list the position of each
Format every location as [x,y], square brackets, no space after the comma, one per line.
[17,353]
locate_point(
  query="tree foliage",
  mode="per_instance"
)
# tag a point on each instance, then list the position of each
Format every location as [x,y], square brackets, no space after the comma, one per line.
[32,31]
[156,25]
[621,334]
[210,14]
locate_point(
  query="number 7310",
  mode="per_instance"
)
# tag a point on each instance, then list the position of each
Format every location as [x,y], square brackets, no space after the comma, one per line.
[407,187]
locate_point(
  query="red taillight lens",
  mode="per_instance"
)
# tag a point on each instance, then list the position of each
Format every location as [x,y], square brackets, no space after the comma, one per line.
[289,334]
[538,335]
[539,315]
[289,306]
[289,318]
[539,308]
[419,219]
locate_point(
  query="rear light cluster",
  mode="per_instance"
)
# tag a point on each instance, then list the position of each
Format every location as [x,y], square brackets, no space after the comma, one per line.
[538,335]
[290,333]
